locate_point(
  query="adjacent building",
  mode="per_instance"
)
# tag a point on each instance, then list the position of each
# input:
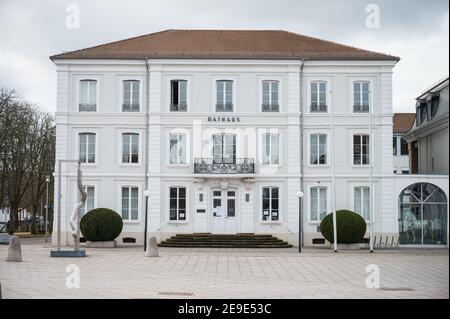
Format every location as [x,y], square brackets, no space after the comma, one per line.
[402,124]
[428,138]
[224,128]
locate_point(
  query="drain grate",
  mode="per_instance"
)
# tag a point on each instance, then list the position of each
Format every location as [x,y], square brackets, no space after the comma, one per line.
[176,293]
[396,289]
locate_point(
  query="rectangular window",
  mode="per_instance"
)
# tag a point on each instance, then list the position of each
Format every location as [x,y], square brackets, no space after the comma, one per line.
[394,145]
[130,148]
[224,96]
[130,96]
[224,148]
[362,201]
[318,149]
[177,148]
[87,147]
[270,148]
[88,96]
[177,203]
[361,149]
[90,200]
[270,204]
[130,203]
[318,203]
[270,96]
[318,97]
[361,97]
[178,96]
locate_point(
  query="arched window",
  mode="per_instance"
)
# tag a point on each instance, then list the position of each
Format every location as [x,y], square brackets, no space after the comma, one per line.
[423,215]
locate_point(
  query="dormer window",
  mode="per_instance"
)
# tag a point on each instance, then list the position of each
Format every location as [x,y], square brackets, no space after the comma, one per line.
[434,105]
[422,113]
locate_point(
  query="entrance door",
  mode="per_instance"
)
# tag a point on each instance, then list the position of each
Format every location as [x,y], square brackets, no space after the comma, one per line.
[223,219]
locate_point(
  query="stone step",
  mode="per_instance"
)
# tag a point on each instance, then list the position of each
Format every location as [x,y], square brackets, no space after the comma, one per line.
[217,240]
[222,243]
[225,241]
[222,235]
[226,245]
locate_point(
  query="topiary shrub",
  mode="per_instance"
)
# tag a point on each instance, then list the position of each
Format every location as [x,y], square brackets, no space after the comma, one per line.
[351,227]
[101,224]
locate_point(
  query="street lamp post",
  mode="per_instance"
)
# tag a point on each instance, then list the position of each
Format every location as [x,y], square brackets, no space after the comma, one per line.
[47,181]
[300,195]
[146,195]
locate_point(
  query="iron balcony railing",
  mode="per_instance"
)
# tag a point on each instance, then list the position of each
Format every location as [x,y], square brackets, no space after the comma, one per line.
[211,166]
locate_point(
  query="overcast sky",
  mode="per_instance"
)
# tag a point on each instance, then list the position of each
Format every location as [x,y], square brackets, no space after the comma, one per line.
[32,30]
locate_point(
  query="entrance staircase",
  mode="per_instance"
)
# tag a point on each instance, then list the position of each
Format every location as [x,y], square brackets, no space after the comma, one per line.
[224,241]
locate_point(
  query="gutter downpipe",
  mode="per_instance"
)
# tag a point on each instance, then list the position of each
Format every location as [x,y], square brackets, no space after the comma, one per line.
[301,242]
[147,139]
[333,181]
[371,244]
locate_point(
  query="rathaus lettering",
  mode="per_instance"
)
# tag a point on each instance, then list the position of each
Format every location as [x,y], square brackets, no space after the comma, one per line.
[226,119]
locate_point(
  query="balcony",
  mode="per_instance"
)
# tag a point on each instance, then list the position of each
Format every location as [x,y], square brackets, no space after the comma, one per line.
[209,166]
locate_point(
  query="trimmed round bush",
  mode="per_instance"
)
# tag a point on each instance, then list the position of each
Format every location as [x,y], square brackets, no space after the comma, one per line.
[351,227]
[101,224]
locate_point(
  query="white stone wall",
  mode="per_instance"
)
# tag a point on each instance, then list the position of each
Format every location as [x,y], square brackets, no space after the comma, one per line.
[107,174]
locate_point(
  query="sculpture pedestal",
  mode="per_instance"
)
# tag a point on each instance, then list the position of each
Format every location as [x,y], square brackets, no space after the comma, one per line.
[68,253]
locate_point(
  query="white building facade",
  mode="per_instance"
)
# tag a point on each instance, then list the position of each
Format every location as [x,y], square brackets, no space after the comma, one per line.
[224,145]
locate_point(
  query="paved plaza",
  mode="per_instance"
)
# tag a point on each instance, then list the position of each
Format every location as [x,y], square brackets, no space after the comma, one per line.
[225,273]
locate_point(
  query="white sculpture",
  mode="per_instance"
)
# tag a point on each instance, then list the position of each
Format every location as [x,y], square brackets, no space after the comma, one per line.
[75,217]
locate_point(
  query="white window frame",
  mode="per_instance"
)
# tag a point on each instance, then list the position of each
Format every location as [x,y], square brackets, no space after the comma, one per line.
[352,95]
[169,93]
[122,95]
[327,148]
[260,145]
[224,144]
[318,82]
[362,201]
[169,157]
[328,84]
[168,220]
[263,149]
[309,206]
[78,154]
[397,145]
[271,80]
[370,149]
[233,98]
[129,220]
[280,201]
[87,77]
[121,149]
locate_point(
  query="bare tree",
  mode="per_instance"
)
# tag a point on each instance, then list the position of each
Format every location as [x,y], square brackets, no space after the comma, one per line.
[42,161]
[27,137]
